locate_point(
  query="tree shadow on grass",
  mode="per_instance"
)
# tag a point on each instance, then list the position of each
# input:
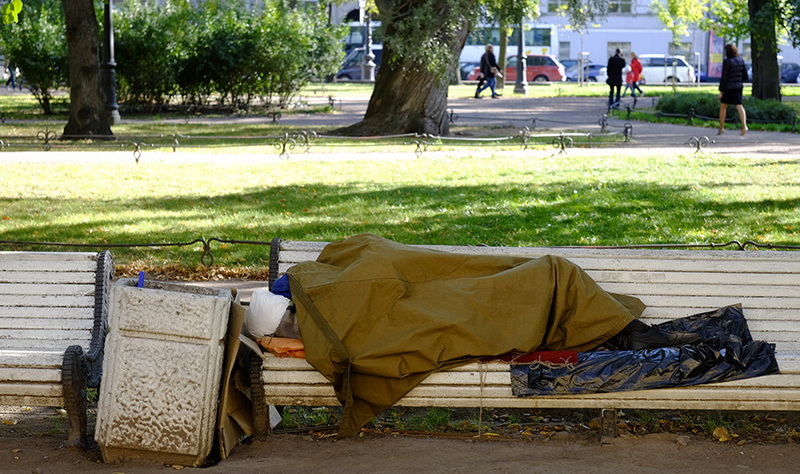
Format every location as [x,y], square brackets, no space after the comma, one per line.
[561,213]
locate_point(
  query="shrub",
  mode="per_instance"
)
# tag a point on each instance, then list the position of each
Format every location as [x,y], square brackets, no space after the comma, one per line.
[222,50]
[707,105]
[149,39]
[38,47]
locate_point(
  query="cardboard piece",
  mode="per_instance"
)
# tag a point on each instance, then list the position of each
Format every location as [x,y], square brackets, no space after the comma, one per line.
[235,416]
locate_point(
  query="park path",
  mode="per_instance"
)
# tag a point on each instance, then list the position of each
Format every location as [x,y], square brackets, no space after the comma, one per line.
[577,114]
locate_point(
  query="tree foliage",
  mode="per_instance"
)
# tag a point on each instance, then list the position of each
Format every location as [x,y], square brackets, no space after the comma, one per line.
[584,13]
[221,52]
[679,15]
[148,43]
[729,19]
[37,46]
[10,11]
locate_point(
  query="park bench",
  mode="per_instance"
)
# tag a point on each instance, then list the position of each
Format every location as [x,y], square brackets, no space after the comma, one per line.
[52,329]
[673,283]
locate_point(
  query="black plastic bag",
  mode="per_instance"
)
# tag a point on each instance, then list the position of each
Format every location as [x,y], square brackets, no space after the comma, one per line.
[727,352]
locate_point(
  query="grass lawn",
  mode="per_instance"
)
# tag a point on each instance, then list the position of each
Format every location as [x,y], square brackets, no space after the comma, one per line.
[513,198]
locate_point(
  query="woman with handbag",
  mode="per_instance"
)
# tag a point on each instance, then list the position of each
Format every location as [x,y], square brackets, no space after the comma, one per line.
[489,71]
[731,84]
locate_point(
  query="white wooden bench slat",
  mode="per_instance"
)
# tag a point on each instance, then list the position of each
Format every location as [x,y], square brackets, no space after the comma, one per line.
[85,278]
[473,395]
[693,277]
[32,256]
[40,358]
[69,330]
[46,289]
[49,301]
[753,314]
[715,400]
[46,266]
[706,290]
[15,374]
[41,312]
[19,389]
[650,260]
[45,345]
[45,323]
[698,302]
[789,363]
[32,400]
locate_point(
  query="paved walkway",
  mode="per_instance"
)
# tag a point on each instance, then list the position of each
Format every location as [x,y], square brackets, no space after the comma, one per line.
[576,114]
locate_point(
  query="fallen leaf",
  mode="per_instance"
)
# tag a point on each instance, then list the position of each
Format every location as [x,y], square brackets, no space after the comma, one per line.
[721,433]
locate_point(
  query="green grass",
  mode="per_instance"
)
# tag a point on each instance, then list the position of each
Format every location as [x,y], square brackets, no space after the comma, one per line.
[517,198]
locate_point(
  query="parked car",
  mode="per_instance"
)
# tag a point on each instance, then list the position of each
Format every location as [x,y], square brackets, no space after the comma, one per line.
[351,66]
[569,63]
[465,69]
[789,72]
[539,68]
[591,71]
[659,68]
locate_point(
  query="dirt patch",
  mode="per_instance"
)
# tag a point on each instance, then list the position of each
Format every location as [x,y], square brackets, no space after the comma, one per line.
[33,440]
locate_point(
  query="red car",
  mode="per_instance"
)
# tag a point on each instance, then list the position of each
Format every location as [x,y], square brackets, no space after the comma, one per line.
[540,68]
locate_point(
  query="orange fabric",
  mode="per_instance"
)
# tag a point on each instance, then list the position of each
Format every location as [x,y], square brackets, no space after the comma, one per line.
[284,346]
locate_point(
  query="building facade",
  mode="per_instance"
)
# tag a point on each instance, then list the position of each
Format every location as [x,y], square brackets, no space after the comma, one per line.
[631,25]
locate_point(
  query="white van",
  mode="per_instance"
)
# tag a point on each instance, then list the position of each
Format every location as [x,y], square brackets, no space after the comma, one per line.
[662,68]
[658,68]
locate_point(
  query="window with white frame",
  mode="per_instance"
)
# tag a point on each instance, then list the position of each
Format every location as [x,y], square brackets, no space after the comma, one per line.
[554,6]
[620,6]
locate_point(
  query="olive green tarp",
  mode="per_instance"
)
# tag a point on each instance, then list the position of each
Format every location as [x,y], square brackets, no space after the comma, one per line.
[377,316]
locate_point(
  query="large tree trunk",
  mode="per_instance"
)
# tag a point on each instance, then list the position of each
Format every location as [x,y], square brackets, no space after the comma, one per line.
[408,98]
[763,44]
[502,53]
[87,114]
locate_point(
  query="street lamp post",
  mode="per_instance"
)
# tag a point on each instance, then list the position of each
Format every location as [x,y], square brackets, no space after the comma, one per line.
[521,86]
[107,68]
[368,68]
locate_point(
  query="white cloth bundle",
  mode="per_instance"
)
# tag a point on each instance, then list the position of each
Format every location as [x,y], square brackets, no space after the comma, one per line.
[264,314]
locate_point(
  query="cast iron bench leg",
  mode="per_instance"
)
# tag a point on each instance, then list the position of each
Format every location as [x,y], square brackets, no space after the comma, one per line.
[73,381]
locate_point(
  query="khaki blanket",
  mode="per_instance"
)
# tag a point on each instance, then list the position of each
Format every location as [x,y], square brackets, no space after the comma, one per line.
[377,317]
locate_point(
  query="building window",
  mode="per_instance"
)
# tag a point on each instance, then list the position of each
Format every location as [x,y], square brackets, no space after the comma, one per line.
[554,6]
[620,6]
[680,49]
[623,46]
[564,50]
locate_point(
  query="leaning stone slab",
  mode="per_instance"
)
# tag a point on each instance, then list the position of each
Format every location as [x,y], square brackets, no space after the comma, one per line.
[161,372]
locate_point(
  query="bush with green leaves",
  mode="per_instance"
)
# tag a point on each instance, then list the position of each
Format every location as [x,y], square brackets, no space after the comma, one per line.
[225,52]
[149,38]
[707,105]
[38,47]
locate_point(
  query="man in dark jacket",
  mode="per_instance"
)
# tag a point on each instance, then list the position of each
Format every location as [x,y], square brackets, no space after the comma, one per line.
[614,71]
[489,70]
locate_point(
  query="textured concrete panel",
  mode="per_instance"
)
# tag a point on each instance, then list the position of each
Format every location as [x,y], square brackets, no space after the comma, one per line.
[161,372]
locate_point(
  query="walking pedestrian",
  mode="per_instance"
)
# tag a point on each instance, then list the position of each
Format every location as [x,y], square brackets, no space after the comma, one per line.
[489,71]
[614,71]
[731,84]
[636,72]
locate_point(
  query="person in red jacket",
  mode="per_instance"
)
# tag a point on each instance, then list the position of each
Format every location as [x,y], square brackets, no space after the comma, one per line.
[636,73]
